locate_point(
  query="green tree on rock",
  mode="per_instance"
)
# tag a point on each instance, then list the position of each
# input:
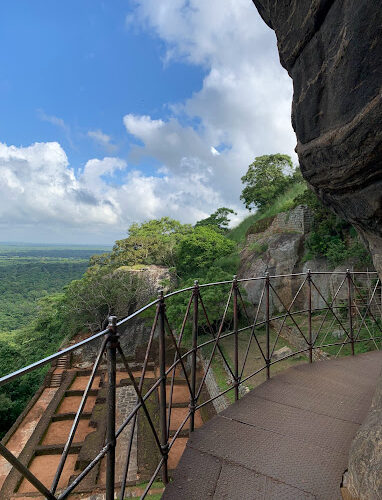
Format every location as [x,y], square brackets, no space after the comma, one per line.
[198,250]
[218,220]
[151,242]
[266,178]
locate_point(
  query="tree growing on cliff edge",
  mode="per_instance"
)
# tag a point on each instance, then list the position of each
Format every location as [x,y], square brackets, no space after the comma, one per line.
[219,220]
[266,178]
[200,249]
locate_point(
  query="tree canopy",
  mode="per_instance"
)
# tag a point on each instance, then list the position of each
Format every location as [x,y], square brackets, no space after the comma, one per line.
[219,220]
[151,242]
[266,178]
[199,249]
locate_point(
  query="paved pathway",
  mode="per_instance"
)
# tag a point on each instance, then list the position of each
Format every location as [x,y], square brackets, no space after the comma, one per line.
[287,439]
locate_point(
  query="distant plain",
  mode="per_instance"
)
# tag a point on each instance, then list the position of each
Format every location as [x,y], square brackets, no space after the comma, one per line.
[29,272]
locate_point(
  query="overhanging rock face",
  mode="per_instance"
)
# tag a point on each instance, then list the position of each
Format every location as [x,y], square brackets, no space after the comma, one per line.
[332,49]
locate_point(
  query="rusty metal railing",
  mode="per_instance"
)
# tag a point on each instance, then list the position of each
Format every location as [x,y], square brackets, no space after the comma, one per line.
[258,315]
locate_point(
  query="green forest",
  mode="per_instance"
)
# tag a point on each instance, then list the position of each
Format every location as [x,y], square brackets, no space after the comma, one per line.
[48,294]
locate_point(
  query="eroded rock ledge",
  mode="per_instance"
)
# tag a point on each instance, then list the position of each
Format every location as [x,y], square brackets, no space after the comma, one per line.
[364,479]
[332,49]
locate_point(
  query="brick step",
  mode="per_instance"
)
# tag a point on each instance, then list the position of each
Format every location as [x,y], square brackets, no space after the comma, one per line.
[56,449]
[179,405]
[78,392]
[177,380]
[56,380]
[184,433]
[63,361]
[86,415]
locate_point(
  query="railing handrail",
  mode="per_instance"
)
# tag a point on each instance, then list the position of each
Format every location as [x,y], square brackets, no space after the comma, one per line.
[112,346]
[23,371]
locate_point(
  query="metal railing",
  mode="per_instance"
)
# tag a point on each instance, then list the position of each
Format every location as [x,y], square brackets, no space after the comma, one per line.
[258,315]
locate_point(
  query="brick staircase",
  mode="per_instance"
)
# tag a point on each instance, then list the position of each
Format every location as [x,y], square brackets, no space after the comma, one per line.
[63,364]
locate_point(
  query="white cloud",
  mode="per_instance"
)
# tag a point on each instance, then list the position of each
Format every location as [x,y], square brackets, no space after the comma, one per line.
[242,109]
[141,125]
[244,101]
[38,186]
[54,120]
[102,139]
[57,122]
[43,199]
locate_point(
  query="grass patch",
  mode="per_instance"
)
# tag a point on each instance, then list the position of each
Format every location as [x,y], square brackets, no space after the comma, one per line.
[258,248]
[283,203]
[229,263]
[220,374]
[239,232]
[328,333]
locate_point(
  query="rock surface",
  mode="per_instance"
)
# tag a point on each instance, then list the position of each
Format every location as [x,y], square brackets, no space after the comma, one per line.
[280,251]
[135,333]
[364,478]
[282,353]
[332,49]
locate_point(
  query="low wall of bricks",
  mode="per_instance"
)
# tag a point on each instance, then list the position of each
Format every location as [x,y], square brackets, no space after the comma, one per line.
[300,220]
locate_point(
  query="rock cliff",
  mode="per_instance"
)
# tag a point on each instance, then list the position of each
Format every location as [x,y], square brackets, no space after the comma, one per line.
[332,49]
[278,247]
[363,478]
[135,334]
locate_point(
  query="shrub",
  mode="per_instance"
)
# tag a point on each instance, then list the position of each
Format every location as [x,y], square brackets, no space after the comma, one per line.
[199,249]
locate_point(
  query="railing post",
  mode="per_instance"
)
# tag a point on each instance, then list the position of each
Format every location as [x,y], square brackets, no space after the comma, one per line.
[111,403]
[309,279]
[162,387]
[267,323]
[236,333]
[195,326]
[348,276]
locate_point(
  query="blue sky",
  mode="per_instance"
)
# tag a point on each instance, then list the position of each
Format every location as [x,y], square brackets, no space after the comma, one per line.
[114,112]
[78,61]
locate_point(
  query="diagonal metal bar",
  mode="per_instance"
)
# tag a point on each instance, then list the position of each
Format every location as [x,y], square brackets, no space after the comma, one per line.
[362,340]
[133,412]
[327,312]
[179,354]
[364,316]
[175,359]
[140,386]
[128,456]
[242,302]
[149,484]
[139,394]
[213,334]
[367,328]
[253,335]
[288,313]
[148,349]
[326,334]
[332,309]
[368,310]
[285,317]
[77,417]
[26,472]
[84,473]
[179,430]
[215,345]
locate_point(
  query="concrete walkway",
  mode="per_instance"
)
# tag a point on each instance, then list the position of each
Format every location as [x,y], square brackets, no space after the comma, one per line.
[287,439]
